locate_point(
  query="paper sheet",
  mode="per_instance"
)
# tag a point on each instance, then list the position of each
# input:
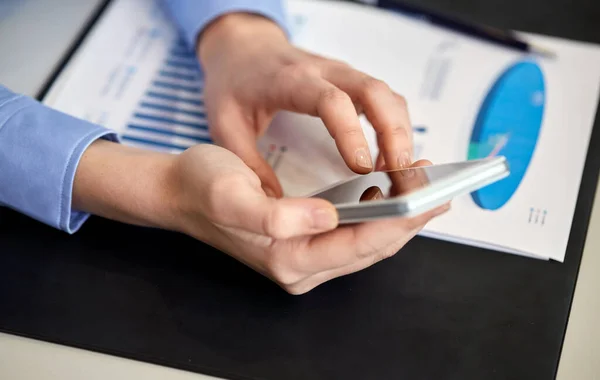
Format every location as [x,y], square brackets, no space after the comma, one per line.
[135,75]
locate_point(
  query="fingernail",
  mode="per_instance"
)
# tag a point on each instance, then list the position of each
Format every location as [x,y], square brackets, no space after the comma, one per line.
[404,160]
[324,219]
[363,158]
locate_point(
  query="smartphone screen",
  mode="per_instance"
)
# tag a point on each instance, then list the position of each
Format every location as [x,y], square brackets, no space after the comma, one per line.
[388,184]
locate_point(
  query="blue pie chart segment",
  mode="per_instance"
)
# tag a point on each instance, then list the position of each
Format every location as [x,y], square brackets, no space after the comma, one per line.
[508,124]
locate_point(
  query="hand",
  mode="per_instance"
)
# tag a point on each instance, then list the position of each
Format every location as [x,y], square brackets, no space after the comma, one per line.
[294,242]
[208,193]
[252,72]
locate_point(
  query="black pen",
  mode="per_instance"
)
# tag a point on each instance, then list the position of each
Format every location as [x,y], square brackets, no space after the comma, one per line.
[492,35]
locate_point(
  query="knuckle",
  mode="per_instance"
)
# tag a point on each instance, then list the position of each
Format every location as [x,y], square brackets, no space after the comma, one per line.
[402,101]
[337,63]
[394,131]
[349,132]
[279,224]
[281,271]
[273,224]
[415,223]
[300,71]
[374,86]
[364,255]
[379,257]
[291,77]
[297,289]
[332,95]
[367,250]
[389,252]
[385,254]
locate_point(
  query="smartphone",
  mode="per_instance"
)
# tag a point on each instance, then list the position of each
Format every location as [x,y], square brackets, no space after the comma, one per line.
[412,191]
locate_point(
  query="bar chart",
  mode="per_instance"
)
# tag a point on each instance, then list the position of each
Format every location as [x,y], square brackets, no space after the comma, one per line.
[171,116]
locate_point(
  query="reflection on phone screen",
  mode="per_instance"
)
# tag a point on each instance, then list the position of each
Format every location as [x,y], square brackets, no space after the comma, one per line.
[373,193]
[378,186]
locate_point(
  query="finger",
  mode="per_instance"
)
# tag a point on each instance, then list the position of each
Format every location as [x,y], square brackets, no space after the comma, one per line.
[350,244]
[373,193]
[237,203]
[317,279]
[377,256]
[421,163]
[408,179]
[233,133]
[306,284]
[307,93]
[380,162]
[386,110]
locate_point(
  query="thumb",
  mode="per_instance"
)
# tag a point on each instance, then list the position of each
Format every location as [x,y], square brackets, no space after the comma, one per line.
[247,208]
[288,217]
[235,133]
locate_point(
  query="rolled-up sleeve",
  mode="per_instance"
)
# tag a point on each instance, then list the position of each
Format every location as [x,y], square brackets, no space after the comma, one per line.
[192,16]
[40,149]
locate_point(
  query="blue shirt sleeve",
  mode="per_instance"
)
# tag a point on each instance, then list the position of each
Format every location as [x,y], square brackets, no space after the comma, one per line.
[40,149]
[192,16]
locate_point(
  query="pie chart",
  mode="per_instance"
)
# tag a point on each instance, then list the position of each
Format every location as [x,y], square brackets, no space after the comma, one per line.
[508,123]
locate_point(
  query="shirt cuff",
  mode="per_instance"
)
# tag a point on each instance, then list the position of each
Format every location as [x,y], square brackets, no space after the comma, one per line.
[71,220]
[192,16]
[40,150]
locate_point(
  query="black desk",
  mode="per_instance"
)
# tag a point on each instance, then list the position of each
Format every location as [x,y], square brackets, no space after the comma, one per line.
[437,310]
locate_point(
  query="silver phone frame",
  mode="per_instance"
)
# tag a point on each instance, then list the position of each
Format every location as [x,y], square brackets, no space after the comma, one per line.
[488,171]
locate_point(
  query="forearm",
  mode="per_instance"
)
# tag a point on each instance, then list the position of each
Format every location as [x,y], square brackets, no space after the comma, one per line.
[127,184]
[39,152]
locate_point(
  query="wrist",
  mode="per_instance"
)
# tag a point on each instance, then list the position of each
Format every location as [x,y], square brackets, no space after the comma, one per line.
[236,30]
[128,185]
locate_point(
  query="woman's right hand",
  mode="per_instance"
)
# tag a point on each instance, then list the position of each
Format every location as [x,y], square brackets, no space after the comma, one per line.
[295,242]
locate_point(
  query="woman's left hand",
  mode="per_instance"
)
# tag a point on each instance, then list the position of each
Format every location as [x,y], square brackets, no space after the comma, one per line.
[252,71]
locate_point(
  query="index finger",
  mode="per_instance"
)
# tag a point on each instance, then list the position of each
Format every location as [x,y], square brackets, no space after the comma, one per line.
[306,92]
[386,110]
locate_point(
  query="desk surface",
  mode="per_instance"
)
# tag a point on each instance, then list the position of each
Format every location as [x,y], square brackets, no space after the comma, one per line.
[26,359]
[22,358]
[30,32]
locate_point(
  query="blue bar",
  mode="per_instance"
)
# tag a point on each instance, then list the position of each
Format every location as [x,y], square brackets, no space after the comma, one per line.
[168,133]
[162,107]
[169,120]
[172,74]
[174,98]
[420,129]
[190,66]
[183,53]
[172,86]
[181,43]
[154,143]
